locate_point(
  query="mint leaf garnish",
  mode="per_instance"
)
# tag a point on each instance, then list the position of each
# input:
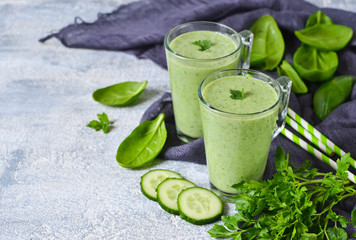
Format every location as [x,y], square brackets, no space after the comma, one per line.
[203,44]
[102,124]
[237,94]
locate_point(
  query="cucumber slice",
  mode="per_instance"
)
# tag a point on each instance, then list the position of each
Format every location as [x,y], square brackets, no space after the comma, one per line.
[199,205]
[167,193]
[151,179]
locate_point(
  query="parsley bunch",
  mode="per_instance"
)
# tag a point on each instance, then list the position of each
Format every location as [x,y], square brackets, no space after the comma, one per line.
[296,204]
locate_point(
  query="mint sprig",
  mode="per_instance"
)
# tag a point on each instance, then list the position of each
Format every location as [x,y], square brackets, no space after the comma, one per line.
[203,44]
[237,94]
[102,124]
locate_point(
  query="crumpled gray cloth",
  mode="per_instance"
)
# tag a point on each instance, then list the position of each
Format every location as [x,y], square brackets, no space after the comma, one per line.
[139,28]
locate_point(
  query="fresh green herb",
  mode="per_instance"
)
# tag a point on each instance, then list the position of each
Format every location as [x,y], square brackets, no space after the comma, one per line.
[315,65]
[237,94]
[318,18]
[296,204]
[285,69]
[332,94]
[312,64]
[268,43]
[203,44]
[102,124]
[143,144]
[121,94]
[328,37]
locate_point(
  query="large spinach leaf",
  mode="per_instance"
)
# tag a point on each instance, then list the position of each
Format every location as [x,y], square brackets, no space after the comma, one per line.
[328,37]
[285,69]
[120,94]
[143,144]
[268,43]
[315,65]
[332,94]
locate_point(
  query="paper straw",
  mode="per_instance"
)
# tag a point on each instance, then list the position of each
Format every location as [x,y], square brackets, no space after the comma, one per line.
[294,138]
[319,135]
[308,136]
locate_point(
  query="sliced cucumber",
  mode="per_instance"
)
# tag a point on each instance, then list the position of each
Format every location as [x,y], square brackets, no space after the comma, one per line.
[167,193]
[199,205]
[151,179]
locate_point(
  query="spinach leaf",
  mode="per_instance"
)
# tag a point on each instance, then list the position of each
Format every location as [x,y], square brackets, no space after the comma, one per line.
[332,94]
[328,37]
[120,94]
[268,43]
[314,65]
[143,144]
[285,69]
[318,18]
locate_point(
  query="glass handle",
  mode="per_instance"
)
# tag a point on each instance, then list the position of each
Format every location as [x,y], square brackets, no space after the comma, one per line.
[286,85]
[245,53]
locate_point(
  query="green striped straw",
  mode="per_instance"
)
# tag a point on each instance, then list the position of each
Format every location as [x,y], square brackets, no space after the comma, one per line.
[308,136]
[324,140]
[294,138]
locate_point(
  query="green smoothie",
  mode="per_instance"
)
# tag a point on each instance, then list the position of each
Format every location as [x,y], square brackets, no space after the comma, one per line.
[237,133]
[188,66]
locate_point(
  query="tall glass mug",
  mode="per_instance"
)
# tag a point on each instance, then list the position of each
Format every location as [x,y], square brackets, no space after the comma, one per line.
[195,50]
[242,111]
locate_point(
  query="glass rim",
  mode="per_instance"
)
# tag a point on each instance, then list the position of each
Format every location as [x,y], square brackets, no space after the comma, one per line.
[166,45]
[201,98]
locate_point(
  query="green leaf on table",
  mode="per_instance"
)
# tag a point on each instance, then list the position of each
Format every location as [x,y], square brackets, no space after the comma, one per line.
[332,94]
[203,44]
[343,165]
[103,123]
[219,231]
[338,218]
[318,18]
[336,234]
[268,43]
[315,65]
[143,144]
[237,94]
[285,69]
[121,94]
[327,37]
[281,160]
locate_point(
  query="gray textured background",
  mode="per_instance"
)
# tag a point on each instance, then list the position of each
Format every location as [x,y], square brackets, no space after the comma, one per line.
[58,178]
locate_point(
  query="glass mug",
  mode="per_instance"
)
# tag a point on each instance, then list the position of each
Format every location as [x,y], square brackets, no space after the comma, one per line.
[186,71]
[237,144]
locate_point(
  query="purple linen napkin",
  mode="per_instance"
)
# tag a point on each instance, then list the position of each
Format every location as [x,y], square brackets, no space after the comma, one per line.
[139,28]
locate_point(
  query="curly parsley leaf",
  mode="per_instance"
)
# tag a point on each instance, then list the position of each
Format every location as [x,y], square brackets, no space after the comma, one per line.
[281,160]
[336,234]
[203,44]
[103,123]
[237,94]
